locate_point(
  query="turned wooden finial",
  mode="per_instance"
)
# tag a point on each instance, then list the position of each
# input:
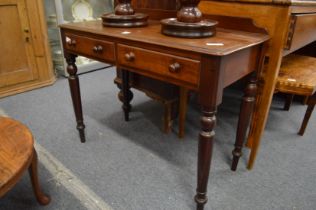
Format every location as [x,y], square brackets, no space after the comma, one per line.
[124,8]
[189,23]
[124,16]
[189,13]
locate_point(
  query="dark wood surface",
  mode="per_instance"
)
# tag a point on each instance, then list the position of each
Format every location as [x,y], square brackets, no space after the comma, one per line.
[17,154]
[124,16]
[206,65]
[232,40]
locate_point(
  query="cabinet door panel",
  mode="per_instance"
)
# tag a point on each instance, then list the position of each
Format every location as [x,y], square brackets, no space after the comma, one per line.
[17,61]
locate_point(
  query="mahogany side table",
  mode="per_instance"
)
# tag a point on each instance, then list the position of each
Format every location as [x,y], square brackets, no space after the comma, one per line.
[205,65]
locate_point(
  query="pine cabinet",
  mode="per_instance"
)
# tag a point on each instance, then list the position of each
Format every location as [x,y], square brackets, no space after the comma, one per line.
[25,61]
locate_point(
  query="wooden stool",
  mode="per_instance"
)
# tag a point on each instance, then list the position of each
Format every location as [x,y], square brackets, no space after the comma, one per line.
[298,77]
[17,154]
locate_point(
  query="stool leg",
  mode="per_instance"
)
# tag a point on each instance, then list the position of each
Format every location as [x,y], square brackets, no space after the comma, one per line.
[126,94]
[167,120]
[308,114]
[182,110]
[244,119]
[288,102]
[40,196]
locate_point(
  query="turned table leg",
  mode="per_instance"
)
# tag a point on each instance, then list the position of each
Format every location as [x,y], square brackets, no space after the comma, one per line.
[183,104]
[246,110]
[75,93]
[126,89]
[206,138]
[40,196]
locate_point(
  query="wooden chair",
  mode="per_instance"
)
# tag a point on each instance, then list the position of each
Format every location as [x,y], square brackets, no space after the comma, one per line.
[298,77]
[17,154]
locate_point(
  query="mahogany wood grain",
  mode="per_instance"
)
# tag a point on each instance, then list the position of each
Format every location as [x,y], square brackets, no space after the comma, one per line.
[169,66]
[92,48]
[17,154]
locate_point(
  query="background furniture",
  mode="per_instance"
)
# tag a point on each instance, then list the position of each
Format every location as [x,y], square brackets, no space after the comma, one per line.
[298,77]
[25,61]
[291,25]
[17,154]
[167,94]
[59,12]
[203,67]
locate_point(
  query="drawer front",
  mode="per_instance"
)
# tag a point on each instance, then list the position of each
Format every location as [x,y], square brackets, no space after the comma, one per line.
[302,31]
[90,47]
[158,65]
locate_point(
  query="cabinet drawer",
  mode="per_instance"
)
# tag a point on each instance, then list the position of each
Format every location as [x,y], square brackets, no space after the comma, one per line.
[90,47]
[156,64]
[302,31]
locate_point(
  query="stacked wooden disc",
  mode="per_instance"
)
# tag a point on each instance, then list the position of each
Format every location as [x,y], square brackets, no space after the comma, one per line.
[124,16]
[189,23]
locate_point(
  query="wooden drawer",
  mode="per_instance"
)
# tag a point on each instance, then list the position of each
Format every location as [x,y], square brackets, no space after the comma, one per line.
[302,31]
[159,65]
[90,47]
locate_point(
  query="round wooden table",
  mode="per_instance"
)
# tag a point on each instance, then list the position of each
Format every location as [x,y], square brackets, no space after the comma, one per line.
[17,154]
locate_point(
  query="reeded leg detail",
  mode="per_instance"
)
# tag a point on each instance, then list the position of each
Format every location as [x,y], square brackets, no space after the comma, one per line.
[246,110]
[206,138]
[40,196]
[75,94]
[126,96]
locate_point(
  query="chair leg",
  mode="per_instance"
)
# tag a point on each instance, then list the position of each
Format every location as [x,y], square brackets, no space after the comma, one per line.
[40,196]
[305,100]
[182,110]
[311,104]
[288,101]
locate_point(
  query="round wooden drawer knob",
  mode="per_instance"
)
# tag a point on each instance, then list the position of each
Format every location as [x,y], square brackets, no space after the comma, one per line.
[98,49]
[71,42]
[174,68]
[130,56]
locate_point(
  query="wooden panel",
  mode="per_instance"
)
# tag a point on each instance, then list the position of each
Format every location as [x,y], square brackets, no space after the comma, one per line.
[235,70]
[160,64]
[154,4]
[303,31]
[17,63]
[157,10]
[90,47]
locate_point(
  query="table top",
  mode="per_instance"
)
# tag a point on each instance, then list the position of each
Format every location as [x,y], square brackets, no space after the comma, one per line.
[223,43]
[282,2]
[16,150]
